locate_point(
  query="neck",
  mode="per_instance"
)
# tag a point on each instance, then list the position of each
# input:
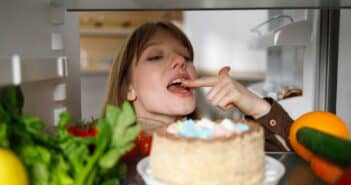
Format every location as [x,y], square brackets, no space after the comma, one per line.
[155,117]
[150,119]
[141,113]
[150,122]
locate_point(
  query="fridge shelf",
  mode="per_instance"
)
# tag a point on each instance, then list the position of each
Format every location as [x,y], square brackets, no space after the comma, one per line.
[111,5]
[17,70]
[293,34]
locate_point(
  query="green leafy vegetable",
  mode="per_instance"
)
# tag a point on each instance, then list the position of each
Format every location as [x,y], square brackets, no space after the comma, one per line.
[12,100]
[62,158]
[4,142]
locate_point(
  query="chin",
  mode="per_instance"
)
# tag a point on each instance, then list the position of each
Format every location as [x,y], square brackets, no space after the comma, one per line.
[182,109]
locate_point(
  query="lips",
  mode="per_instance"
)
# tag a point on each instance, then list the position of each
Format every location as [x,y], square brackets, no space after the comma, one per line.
[178,78]
[174,85]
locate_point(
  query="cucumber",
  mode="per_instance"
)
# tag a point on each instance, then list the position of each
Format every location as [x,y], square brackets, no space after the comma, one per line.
[331,148]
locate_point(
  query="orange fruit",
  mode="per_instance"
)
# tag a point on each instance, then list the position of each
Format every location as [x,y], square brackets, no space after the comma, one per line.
[325,170]
[322,121]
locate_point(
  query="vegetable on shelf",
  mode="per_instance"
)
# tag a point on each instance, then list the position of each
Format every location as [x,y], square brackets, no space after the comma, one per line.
[142,148]
[329,147]
[326,170]
[83,129]
[345,179]
[131,155]
[143,142]
[322,121]
[322,138]
[66,158]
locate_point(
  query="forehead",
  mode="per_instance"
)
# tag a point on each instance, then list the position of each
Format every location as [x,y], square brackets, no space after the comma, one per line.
[165,38]
[162,36]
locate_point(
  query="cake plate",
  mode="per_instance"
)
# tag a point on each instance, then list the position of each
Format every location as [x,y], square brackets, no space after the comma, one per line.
[274,170]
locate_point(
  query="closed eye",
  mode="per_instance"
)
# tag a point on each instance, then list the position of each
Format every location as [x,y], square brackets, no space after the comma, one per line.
[155,58]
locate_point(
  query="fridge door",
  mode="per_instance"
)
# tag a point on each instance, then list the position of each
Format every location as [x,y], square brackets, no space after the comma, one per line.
[34,54]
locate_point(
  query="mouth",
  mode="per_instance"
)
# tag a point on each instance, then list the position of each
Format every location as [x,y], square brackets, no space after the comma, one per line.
[177,83]
[175,86]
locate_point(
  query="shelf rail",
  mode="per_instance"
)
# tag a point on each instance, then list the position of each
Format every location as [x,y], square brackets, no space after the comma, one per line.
[17,70]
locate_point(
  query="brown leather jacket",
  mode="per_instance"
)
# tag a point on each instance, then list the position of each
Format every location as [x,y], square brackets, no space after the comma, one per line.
[276,126]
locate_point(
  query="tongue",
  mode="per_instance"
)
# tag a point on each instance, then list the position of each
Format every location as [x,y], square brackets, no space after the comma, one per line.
[178,89]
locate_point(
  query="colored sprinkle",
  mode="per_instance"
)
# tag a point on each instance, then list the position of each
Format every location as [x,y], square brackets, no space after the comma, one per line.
[205,128]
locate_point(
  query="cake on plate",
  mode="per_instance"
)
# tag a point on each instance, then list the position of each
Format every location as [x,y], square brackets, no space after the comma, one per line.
[203,152]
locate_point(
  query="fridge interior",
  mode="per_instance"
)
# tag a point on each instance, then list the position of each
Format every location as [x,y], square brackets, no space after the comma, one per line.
[273,59]
[295,52]
[250,47]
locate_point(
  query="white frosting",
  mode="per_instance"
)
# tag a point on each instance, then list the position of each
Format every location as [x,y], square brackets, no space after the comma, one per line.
[205,128]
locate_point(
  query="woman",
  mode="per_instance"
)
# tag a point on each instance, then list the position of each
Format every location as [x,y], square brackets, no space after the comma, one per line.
[155,72]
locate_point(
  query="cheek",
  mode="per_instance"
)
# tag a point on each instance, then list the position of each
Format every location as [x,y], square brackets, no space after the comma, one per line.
[145,81]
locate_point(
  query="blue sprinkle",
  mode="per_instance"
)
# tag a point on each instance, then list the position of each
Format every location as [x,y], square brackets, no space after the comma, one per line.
[188,133]
[241,127]
[188,129]
[204,132]
[190,121]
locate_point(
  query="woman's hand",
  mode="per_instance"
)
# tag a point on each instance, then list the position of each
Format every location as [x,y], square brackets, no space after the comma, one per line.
[226,93]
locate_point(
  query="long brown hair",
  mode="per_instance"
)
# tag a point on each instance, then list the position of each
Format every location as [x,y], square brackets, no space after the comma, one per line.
[120,74]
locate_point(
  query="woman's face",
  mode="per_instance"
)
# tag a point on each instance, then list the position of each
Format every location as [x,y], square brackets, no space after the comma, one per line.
[163,63]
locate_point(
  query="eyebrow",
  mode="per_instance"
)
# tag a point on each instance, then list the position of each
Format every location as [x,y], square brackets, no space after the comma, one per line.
[181,51]
[151,44]
[159,43]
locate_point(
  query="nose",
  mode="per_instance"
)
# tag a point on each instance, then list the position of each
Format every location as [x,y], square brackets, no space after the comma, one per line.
[178,62]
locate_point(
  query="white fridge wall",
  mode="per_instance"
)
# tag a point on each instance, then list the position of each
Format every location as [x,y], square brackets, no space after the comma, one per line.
[93,94]
[26,29]
[343,97]
[221,38]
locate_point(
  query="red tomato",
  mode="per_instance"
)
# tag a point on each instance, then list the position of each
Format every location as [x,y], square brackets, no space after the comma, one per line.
[71,130]
[143,142]
[131,155]
[345,179]
[82,132]
[93,132]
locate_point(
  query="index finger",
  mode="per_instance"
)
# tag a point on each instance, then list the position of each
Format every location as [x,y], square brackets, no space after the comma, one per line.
[201,82]
[224,70]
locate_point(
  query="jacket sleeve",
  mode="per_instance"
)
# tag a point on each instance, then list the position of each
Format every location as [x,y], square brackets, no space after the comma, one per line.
[276,126]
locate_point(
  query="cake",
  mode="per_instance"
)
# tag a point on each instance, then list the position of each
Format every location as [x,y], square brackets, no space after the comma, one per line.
[203,152]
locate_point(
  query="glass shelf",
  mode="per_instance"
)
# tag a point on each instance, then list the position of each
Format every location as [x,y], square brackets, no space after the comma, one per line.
[17,70]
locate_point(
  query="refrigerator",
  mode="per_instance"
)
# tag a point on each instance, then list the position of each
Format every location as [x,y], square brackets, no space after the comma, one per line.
[39,49]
